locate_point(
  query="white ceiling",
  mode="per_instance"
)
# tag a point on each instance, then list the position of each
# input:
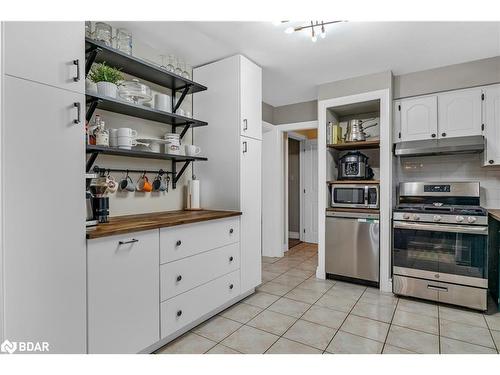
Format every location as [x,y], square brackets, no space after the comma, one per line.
[293,66]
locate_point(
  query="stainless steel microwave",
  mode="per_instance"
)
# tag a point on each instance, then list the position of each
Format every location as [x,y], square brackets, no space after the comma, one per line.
[354,195]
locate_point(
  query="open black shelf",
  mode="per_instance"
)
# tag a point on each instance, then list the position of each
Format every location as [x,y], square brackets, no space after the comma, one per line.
[137,110]
[141,154]
[99,52]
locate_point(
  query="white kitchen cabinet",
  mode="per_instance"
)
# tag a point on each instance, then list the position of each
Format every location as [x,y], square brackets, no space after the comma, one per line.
[251,196]
[491,116]
[231,180]
[123,292]
[43,165]
[419,118]
[459,113]
[251,99]
[52,53]
[396,122]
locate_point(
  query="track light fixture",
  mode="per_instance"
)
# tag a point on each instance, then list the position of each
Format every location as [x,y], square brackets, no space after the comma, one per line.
[315,26]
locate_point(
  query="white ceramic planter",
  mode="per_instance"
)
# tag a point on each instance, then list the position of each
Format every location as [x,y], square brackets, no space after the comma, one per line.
[107,89]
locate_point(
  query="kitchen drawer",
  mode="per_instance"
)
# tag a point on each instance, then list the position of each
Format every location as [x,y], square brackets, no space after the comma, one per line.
[467,296]
[188,273]
[190,239]
[179,311]
[411,287]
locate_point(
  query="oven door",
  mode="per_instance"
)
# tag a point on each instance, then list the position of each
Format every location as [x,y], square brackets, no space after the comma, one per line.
[349,196]
[451,253]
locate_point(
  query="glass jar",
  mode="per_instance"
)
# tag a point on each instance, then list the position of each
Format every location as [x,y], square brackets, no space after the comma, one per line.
[124,41]
[104,33]
[171,63]
[135,92]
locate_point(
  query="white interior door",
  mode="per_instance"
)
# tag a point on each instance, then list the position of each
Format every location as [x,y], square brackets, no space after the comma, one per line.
[310,206]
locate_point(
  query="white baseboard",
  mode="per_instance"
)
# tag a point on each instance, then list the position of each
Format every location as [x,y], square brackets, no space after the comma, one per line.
[294,235]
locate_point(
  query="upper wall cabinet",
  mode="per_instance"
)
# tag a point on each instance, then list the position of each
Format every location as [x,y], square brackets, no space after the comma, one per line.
[52,53]
[419,118]
[251,99]
[491,116]
[459,113]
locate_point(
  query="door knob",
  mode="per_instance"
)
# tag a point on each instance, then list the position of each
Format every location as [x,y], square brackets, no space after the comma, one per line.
[179,278]
[179,312]
[178,243]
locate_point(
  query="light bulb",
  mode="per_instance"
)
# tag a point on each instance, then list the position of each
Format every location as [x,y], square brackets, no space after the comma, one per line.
[323,32]
[289,30]
[314,38]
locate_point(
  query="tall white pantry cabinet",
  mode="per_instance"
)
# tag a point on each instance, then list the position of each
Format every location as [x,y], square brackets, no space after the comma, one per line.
[42,173]
[232,180]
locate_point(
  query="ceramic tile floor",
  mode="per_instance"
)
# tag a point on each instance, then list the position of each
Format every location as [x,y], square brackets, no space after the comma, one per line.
[292,312]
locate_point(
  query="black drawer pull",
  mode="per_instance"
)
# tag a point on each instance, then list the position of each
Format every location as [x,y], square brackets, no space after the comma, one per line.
[231,231]
[433,135]
[178,243]
[491,161]
[179,278]
[231,286]
[179,313]
[78,107]
[443,134]
[77,64]
[231,259]
[133,240]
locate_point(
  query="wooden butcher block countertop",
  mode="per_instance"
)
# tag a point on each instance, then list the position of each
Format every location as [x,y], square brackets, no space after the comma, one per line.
[495,214]
[135,223]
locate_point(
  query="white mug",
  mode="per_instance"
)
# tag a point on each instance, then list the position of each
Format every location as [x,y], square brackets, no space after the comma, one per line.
[127,132]
[162,102]
[113,137]
[126,143]
[192,150]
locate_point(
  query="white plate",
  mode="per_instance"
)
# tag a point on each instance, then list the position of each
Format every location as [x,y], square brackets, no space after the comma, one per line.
[153,140]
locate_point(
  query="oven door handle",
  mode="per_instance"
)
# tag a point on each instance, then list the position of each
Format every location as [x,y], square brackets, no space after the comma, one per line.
[466,229]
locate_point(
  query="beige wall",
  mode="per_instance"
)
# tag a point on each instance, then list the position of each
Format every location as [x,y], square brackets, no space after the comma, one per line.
[356,85]
[298,112]
[267,113]
[451,77]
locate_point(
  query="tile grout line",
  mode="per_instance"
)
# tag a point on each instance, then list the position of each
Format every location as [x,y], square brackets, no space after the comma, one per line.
[390,325]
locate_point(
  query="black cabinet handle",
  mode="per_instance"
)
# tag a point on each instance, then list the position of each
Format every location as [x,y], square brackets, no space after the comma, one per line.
[245,126]
[443,134]
[231,286]
[178,243]
[179,278]
[231,259]
[491,161]
[244,147]
[231,231]
[433,135]
[133,240]
[78,107]
[179,312]
[77,63]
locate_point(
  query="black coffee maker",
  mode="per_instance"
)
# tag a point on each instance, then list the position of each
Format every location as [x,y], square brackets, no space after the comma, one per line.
[99,199]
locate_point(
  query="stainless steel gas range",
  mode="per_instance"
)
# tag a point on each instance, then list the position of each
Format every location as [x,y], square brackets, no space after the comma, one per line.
[440,243]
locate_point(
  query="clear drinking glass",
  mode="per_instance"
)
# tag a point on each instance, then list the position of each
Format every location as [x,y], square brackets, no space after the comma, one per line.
[188,70]
[171,63]
[104,33]
[179,69]
[88,29]
[124,41]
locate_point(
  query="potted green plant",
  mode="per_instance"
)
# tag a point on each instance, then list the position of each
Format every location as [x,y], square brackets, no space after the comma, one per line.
[106,78]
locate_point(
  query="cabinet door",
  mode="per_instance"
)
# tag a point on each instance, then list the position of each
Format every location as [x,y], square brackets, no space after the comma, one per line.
[251,99]
[47,52]
[491,111]
[123,292]
[44,216]
[419,118]
[396,122]
[250,228]
[459,113]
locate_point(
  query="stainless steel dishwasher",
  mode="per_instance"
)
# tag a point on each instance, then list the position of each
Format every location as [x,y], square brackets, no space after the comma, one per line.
[352,246]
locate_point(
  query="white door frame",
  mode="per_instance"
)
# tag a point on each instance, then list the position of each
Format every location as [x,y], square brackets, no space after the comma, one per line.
[301,138]
[386,134]
[305,235]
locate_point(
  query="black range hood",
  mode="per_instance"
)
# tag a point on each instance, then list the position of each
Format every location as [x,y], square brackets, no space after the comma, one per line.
[446,146]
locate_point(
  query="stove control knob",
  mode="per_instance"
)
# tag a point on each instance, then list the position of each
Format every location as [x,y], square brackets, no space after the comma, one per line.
[406,216]
[459,219]
[471,219]
[415,217]
[437,218]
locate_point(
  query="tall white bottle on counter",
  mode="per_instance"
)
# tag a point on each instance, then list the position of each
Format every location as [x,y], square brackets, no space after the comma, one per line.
[232,141]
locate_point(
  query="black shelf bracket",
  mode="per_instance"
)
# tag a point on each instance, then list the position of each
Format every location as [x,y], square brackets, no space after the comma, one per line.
[90,161]
[90,55]
[90,110]
[185,90]
[184,129]
[178,175]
